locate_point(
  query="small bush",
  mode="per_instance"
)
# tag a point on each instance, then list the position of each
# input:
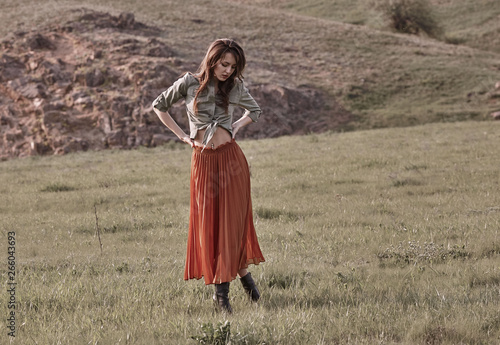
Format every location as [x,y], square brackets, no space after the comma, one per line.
[218,335]
[411,17]
[273,213]
[57,187]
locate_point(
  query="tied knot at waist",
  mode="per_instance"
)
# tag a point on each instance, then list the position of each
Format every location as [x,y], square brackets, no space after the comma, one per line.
[216,150]
[209,133]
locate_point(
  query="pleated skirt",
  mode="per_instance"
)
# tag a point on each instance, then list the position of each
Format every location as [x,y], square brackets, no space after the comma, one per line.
[221,238]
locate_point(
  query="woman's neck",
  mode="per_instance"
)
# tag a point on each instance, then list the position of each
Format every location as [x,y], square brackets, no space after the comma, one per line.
[216,85]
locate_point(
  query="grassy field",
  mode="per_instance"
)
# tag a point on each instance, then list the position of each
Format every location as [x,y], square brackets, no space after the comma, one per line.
[388,236]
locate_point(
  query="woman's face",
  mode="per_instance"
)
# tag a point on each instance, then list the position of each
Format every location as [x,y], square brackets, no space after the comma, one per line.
[225,67]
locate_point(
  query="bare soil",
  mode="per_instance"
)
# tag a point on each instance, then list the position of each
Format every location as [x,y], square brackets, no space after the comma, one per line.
[88,84]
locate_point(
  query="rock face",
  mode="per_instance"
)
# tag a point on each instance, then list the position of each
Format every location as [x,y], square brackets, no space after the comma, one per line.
[494,96]
[88,84]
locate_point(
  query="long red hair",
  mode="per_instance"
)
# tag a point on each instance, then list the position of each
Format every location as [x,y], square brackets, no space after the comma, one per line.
[217,50]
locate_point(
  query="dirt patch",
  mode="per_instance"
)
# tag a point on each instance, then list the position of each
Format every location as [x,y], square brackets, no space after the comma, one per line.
[88,84]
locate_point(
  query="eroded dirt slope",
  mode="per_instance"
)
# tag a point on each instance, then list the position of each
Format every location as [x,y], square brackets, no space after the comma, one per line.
[88,84]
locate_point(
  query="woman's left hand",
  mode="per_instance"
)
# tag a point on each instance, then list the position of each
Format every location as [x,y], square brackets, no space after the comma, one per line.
[236,128]
[242,122]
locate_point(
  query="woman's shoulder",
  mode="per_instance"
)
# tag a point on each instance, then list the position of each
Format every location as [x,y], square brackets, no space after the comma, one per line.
[238,85]
[190,79]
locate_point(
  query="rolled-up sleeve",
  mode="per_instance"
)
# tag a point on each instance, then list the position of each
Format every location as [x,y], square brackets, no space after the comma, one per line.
[247,102]
[174,93]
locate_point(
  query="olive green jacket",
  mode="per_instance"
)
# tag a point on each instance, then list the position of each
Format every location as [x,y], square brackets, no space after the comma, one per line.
[210,115]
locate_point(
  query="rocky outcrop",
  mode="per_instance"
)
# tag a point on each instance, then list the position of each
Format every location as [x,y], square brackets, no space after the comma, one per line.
[88,84]
[494,96]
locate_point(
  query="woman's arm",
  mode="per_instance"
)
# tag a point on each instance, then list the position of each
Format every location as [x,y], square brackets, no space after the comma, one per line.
[242,122]
[168,121]
[252,110]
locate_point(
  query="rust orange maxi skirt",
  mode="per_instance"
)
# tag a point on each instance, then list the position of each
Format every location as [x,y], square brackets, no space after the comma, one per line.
[222,238]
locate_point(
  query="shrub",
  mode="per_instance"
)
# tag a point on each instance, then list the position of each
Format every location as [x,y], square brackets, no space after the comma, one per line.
[214,335]
[411,17]
[57,187]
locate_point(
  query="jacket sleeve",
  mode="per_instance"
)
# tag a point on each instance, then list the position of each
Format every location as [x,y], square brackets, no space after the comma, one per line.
[249,104]
[174,93]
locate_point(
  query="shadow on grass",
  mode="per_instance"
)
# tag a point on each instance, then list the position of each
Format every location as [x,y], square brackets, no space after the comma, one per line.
[274,213]
[57,187]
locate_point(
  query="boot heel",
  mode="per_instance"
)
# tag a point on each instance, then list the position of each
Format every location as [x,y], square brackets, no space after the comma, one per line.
[250,288]
[221,297]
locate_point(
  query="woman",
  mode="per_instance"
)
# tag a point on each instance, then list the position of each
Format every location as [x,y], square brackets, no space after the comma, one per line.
[222,241]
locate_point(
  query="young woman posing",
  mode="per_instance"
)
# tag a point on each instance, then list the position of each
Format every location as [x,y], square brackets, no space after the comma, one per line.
[222,241]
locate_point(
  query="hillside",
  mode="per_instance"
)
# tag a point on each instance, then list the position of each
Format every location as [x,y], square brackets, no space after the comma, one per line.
[88,84]
[310,74]
[472,23]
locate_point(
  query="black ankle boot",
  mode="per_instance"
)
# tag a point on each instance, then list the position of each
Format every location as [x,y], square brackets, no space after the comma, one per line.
[221,297]
[250,287]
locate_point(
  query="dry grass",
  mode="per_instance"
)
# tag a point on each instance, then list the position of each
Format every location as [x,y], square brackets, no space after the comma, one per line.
[384,236]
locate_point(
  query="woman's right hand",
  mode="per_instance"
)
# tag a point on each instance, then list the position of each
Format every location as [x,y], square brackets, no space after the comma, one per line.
[188,140]
[168,121]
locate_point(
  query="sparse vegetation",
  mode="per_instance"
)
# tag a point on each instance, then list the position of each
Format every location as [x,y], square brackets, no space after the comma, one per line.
[471,23]
[218,335]
[411,17]
[57,187]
